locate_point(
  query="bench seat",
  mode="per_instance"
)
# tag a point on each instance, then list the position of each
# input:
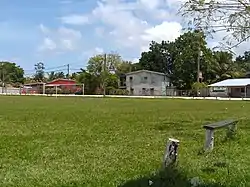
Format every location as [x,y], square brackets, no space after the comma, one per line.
[220,124]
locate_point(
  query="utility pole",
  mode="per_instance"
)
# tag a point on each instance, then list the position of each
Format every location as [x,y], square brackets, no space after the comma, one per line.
[2,77]
[104,74]
[198,64]
[68,71]
[198,58]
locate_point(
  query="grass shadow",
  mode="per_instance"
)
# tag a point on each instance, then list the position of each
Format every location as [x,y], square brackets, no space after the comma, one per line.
[171,177]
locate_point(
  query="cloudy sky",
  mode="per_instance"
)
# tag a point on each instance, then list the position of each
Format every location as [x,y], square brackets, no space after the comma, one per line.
[58,32]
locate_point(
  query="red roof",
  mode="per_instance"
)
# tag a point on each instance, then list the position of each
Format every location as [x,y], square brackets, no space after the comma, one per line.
[62,81]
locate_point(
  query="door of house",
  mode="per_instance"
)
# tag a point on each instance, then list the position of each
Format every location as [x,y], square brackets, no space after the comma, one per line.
[131,91]
[152,91]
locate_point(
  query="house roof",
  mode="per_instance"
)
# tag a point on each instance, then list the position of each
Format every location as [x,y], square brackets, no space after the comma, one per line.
[66,80]
[232,83]
[34,83]
[140,71]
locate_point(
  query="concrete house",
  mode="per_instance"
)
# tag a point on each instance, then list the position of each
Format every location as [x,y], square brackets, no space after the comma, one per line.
[144,82]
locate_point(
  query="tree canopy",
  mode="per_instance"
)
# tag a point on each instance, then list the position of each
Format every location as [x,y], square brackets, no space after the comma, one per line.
[231,17]
[39,75]
[11,73]
[179,60]
[104,71]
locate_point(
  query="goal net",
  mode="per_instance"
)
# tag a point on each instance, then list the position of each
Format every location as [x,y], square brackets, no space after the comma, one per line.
[62,89]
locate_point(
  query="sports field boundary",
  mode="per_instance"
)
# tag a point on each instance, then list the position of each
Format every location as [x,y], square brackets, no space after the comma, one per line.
[128,96]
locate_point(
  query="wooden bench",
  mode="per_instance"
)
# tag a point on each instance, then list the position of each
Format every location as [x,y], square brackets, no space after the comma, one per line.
[209,136]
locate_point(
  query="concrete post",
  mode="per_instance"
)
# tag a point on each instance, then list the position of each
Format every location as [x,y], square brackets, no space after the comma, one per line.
[171,152]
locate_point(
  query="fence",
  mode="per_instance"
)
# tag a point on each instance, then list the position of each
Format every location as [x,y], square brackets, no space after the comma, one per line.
[169,92]
[10,90]
[205,92]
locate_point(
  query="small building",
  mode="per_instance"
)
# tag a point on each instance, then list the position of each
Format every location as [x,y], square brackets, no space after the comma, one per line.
[65,85]
[33,88]
[144,82]
[62,82]
[231,88]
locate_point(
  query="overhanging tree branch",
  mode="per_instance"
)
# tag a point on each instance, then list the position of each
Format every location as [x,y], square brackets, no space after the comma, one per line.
[232,16]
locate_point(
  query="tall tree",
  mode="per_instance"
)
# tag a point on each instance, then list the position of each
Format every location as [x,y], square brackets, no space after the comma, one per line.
[232,17]
[91,82]
[179,59]
[108,69]
[96,63]
[159,57]
[189,52]
[39,75]
[11,73]
[223,67]
[243,63]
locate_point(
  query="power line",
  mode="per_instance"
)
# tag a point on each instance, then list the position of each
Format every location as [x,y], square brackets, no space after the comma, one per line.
[59,70]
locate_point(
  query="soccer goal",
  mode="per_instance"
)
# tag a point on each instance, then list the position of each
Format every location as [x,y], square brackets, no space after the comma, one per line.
[64,89]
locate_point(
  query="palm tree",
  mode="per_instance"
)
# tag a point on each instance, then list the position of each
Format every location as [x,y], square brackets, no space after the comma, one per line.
[223,66]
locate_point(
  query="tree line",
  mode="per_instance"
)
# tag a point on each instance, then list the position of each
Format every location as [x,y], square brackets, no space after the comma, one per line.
[177,59]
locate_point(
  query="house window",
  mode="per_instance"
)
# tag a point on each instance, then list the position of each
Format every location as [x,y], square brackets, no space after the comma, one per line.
[144,79]
[130,80]
[242,90]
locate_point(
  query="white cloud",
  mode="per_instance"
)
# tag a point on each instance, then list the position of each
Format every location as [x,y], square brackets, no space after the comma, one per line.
[60,40]
[134,24]
[86,54]
[132,31]
[149,4]
[126,26]
[75,19]
[44,29]
[99,31]
[168,31]
[48,44]
[98,50]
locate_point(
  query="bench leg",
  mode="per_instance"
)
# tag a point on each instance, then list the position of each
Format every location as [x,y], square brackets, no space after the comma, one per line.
[233,127]
[209,141]
[231,130]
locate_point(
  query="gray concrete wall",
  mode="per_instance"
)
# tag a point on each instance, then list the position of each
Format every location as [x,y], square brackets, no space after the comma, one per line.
[146,80]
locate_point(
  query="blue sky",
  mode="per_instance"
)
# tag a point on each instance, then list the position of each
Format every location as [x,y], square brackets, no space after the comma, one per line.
[59,32]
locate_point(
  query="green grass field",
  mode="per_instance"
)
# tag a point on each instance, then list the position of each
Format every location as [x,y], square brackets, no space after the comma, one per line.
[73,142]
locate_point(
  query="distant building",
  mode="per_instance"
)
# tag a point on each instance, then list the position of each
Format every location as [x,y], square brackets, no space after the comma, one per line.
[231,88]
[64,84]
[67,85]
[33,88]
[144,82]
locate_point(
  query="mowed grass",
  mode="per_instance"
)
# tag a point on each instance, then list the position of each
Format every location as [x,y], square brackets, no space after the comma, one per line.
[68,142]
